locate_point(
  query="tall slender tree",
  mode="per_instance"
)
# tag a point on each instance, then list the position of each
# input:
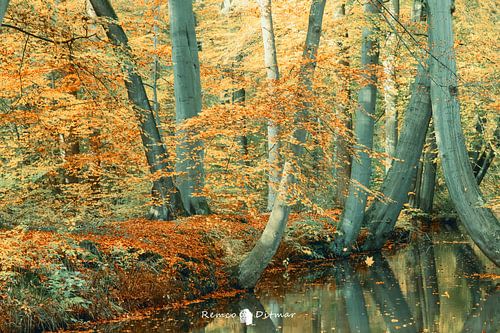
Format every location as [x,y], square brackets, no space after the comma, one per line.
[308,67]
[390,85]
[342,147]
[272,72]
[187,90]
[167,201]
[352,217]
[478,220]
[251,268]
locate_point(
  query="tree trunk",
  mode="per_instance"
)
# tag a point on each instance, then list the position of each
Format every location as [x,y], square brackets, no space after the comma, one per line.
[167,202]
[342,148]
[352,217]
[3,9]
[251,268]
[309,64]
[155,66]
[271,63]
[187,90]
[479,221]
[489,155]
[425,195]
[382,214]
[390,87]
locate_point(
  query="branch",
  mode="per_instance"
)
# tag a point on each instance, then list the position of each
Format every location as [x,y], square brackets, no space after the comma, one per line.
[46,39]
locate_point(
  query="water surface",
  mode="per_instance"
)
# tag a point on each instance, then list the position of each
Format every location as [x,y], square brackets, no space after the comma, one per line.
[433,285]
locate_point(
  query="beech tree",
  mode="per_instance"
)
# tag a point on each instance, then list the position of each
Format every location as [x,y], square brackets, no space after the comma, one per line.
[352,216]
[167,204]
[251,268]
[187,89]
[478,220]
[390,86]
[342,148]
[272,72]
[382,215]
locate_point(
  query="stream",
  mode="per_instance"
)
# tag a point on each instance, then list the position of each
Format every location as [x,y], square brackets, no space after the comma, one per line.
[436,284]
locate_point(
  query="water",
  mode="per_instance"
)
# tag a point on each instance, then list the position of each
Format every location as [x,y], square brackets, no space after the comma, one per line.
[429,286]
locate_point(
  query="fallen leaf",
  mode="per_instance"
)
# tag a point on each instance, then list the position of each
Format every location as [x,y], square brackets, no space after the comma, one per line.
[369,261]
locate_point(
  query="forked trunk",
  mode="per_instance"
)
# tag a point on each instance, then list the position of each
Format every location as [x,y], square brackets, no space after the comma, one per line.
[382,214]
[478,220]
[187,90]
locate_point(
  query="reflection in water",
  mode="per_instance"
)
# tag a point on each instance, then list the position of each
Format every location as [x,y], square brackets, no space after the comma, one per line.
[430,286]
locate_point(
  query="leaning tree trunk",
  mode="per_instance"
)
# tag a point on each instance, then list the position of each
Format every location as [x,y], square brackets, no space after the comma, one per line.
[167,202]
[3,9]
[271,63]
[479,221]
[251,268]
[381,217]
[187,90]
[390,87]
[352,217]
[382,214]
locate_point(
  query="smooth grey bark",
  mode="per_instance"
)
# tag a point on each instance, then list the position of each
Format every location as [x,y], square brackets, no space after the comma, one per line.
[187,90]
[167,202]
[307,69]
[3,9]
[390,87]
[425,192]
[342,148]
[251,268]
[382,215]
[479,221]
[352,216]
[272,73]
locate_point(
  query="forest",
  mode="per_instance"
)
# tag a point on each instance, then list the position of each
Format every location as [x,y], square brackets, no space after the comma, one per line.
[165,159]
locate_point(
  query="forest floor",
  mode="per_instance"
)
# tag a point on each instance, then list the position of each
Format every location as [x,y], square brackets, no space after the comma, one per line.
[50,280]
